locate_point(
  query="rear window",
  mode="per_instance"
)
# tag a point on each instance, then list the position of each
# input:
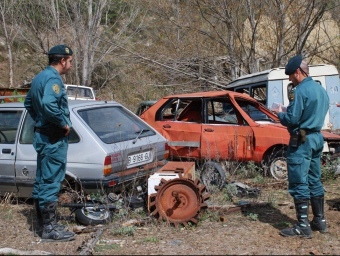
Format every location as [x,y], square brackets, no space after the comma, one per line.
[27,133]
[115,124]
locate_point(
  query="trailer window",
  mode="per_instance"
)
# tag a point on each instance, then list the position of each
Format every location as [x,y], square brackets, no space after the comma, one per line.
[259,93]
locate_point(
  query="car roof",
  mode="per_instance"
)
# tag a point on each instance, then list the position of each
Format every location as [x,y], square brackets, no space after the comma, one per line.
[208,94]
[71,103]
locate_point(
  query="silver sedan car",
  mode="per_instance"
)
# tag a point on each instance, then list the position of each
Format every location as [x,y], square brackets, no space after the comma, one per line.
[109,148]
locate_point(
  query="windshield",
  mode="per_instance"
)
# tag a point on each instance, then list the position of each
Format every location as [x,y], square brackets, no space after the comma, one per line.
[253,111]
[115,124]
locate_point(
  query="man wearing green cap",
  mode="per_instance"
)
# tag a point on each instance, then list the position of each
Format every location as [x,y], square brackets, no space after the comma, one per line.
[46,102]
[304,119]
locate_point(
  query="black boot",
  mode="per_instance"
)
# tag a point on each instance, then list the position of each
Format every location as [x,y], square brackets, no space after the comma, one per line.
[302,228]
[51,231]
[318,223]
[38,212]
[40,223]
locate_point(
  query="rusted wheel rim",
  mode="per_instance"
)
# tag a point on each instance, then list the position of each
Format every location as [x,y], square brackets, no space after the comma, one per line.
[178,200]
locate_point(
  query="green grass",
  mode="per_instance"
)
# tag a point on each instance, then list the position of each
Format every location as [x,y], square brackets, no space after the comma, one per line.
[6,213]
[151,239]
[282,224]
[106,247]
[253,216]
[209,215]
[123,231]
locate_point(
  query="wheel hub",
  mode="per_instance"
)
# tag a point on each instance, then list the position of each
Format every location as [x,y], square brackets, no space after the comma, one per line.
[279,169]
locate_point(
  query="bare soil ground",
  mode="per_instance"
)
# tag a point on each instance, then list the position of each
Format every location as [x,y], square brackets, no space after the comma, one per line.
[252,231]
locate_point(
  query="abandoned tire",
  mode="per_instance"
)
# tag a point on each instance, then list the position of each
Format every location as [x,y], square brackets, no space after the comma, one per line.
[92,216]
[277,164]
[213,176]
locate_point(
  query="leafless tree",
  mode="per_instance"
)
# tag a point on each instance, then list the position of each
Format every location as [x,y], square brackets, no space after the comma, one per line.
[176,45]
[241,36]
[96,37]
[9,28]
[83,25]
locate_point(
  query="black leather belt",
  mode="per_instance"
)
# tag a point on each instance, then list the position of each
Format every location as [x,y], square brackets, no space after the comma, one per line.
[307,132]
[310,131]
[42,131]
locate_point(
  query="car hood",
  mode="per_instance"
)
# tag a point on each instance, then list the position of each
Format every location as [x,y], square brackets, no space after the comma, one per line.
[330,136]
[271,124]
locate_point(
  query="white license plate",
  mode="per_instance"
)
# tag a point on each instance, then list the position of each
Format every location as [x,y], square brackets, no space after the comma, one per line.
[139,158]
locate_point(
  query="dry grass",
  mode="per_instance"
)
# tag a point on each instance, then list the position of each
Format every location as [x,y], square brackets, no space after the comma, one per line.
[253,231]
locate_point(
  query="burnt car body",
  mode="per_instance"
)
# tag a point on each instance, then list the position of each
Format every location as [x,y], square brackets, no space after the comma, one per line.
[144,105]
[223,126]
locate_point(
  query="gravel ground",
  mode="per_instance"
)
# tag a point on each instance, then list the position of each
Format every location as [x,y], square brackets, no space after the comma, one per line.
[253,231]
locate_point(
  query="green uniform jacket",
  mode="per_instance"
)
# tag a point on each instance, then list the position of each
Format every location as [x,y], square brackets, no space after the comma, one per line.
[307,108]
[46,101]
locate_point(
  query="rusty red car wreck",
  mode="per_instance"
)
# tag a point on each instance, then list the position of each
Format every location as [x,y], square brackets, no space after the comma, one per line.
[218,127]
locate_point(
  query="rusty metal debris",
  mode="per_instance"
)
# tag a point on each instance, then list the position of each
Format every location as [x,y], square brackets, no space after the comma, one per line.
[244,190]
[334,205]
[178,200]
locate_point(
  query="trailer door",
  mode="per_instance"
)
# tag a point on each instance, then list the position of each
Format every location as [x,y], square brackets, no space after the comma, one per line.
[333,91]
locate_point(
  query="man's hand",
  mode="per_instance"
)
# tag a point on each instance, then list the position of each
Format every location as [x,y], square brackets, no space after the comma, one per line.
[67,129]
[277,110]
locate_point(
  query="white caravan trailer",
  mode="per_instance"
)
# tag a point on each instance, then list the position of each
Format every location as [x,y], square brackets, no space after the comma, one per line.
[270,87]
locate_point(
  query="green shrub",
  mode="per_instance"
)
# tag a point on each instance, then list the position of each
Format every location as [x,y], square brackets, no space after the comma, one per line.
[229,192]
[328,167]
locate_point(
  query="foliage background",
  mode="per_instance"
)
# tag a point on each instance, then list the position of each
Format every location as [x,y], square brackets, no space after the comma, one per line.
[134,50]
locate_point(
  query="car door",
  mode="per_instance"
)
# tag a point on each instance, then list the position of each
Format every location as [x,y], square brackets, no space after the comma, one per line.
[25,166]
[10,119]
[181,125]
[225,134]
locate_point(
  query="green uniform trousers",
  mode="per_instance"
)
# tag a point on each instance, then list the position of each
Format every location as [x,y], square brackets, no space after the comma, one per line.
[304,168]
[51,166]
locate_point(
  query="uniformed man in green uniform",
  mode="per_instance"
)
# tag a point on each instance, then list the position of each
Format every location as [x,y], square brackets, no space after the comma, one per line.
[46,102]
[308,105]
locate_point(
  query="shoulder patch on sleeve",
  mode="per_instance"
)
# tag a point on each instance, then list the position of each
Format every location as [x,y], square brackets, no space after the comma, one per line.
[56,88]
[291,94]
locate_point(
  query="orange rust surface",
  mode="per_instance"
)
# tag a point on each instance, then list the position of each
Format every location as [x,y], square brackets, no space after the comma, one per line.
[187,169]
[224,142]
[13,92]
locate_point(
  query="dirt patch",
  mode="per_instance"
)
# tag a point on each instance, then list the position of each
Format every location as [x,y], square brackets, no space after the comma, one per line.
[252,231]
